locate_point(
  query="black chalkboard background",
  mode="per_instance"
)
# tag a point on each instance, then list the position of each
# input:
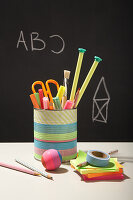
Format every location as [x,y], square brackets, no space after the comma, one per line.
[103,28]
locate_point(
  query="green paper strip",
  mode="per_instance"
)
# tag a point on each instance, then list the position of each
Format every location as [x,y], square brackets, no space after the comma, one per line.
[37,98]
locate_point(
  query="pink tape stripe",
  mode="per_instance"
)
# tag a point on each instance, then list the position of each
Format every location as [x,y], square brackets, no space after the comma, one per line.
[55,140]
[67,152]
[39,151]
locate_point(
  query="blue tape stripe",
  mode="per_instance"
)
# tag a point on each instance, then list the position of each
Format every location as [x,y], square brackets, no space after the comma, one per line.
[55,129]
[60,156]
[55,145]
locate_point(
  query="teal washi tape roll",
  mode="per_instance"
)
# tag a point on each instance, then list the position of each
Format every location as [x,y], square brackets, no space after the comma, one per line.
[97,158]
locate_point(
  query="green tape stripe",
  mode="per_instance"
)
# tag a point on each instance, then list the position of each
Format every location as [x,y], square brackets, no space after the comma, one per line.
[37,156]
[56,137]
[64,158]
[55,117]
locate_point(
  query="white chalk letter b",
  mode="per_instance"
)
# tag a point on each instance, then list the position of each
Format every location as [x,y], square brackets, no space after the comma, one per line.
[34,37]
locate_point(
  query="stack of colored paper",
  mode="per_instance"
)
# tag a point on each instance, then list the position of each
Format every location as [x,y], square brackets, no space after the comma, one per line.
[114,170]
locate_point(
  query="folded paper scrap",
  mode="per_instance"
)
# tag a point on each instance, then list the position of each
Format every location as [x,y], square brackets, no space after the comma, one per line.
[113,171]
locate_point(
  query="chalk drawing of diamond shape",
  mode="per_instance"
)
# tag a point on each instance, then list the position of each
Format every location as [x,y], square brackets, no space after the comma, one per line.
[100,102]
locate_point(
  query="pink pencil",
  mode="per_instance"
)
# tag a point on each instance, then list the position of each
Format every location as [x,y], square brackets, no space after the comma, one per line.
[19,169]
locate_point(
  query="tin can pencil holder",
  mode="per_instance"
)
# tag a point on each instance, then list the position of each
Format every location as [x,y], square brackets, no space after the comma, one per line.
[54,129]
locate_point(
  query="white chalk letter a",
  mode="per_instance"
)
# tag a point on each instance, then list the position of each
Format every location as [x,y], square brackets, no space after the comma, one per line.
[21,39]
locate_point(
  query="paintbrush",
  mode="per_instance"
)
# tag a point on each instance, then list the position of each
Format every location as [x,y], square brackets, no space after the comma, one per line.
[65,83]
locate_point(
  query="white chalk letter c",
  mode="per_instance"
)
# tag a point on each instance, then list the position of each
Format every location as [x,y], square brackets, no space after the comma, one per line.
[63,44]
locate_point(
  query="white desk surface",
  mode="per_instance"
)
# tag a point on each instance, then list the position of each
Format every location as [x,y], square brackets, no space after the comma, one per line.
[67,184]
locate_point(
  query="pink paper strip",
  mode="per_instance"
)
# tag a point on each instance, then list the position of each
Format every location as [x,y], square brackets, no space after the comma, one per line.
[67,152]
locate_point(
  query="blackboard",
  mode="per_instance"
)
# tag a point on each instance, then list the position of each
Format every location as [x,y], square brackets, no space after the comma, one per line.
[103,28]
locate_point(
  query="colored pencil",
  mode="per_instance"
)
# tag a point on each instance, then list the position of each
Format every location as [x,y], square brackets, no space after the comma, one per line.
[19,169]
[45,174]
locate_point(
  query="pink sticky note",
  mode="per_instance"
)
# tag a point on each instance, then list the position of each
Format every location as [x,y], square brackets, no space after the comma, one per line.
[107,177]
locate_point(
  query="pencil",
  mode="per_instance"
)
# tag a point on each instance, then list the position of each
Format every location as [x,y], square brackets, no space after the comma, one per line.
[82,164]
[18,169]
[45,174]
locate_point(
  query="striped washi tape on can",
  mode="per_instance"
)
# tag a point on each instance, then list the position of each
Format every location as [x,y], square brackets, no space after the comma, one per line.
[55,130]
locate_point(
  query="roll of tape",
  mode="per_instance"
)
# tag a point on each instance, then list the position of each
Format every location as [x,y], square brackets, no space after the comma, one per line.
[97,158]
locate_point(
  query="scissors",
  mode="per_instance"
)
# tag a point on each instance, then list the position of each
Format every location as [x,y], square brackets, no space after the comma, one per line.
[46,91]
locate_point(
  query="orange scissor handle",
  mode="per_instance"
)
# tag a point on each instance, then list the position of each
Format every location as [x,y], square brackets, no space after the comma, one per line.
[43,87]
[48,91]
[48,88]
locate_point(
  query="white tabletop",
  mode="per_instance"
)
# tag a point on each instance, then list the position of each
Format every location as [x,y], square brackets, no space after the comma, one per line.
[67,184]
